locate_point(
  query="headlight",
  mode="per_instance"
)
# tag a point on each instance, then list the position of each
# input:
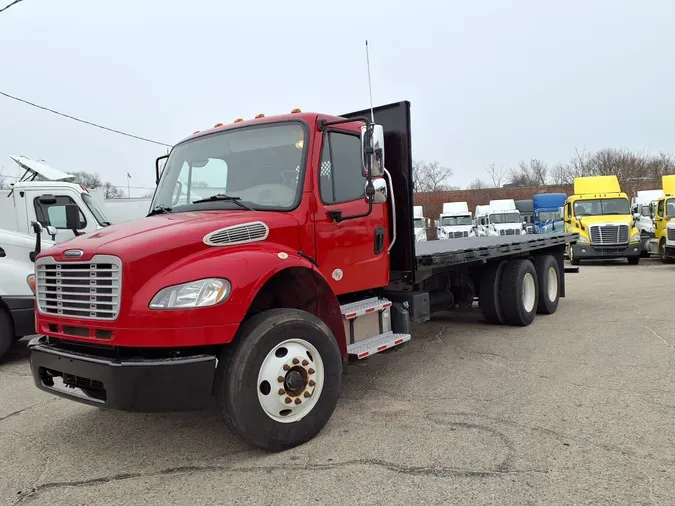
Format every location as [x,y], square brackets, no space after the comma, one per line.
[635,237]
[582,239]
[201,293]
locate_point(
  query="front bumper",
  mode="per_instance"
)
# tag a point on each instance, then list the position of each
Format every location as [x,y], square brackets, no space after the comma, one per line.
[141,385]
[670,251]
[588,251]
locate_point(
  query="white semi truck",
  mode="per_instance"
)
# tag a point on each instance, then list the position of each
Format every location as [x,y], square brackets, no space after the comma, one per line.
[455,221]
[419,224]
[500,217]
[643,206]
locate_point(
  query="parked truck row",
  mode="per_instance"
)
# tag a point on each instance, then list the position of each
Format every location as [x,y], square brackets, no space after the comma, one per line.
[258,286]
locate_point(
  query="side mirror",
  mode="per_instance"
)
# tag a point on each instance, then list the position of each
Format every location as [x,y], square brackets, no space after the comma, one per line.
[636,216]
[72,217]
[158,170]
[52,231]
[37,228]
[372,149]
[381,191]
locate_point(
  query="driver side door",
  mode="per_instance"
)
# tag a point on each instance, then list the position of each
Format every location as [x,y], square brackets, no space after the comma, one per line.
[660,221]
[352,253]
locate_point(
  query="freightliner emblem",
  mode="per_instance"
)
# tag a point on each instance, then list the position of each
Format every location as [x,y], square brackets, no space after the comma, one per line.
[73,253]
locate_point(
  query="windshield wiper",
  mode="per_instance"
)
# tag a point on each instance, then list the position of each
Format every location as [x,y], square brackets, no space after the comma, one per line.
[223,197]
[160,209]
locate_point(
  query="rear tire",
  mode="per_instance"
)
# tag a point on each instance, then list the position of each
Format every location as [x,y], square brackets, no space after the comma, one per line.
[488,299]
[633,260]
[251,400]
[548,277]
[7,337]
[519,294]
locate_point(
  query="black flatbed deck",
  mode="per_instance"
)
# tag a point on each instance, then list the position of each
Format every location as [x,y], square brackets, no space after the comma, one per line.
[448,252]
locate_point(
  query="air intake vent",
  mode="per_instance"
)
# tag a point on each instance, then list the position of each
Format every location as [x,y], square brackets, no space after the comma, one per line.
[238,234]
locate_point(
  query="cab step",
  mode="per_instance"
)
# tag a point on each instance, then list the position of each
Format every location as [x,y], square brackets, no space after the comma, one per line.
[362,307]
[376,344]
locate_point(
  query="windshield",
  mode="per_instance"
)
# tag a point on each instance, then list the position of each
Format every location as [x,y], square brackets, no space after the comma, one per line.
[95,210]
[601,207]
[448,221]
[260,165]
[549,215]
[419,223]
[670,208]
[505,218]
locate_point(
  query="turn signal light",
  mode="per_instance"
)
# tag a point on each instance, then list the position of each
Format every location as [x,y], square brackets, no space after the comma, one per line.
[196,132]
[239,120]
[217,125]
[31,282]
[258,116]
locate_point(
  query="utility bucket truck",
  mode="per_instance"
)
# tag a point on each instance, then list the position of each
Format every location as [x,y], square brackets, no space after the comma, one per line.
[600,213]
[455,221]
[295,253]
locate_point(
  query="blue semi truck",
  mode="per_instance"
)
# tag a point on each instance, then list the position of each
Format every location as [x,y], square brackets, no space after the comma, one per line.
[547,212]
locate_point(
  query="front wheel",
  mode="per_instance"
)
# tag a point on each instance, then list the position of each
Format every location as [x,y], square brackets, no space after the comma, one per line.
[633,260]
[279,386]
[662,253]
[6,333]
[573,259]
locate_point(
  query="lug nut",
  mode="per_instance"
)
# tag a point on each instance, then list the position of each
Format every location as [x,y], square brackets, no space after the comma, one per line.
[280,379]
[311,383]
[311,371]
[288,400]
[305,363]
[307,395]
[282,391]
[286,367]
[298,401]
[296,361]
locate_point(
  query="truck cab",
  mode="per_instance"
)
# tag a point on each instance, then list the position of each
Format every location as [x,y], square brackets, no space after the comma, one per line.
[419,224]
[41,194]
[643,206]
[455,221]
[600,213]
[526,209]
[548,212]
[664,211]
[505,219]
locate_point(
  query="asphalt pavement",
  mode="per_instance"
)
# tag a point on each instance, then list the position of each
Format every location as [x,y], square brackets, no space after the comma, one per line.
[578,408]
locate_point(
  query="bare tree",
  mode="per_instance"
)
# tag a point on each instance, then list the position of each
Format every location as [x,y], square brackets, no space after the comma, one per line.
[430,177]
[477,184]
[87,179]
[497,174]
[529,174]
[110,191]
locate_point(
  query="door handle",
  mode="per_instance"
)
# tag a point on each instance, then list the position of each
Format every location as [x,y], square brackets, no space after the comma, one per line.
[379,240]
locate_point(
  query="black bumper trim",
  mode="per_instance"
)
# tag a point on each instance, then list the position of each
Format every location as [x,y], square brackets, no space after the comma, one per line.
[22,311]
[670,251]
[587,251]
[149,386]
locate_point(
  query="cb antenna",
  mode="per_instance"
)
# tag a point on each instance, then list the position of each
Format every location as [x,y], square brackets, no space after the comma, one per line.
[370,86]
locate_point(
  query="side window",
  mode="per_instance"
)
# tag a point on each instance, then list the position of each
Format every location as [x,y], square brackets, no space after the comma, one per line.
[569,210]
[660,208]
[340,177]
[52,211]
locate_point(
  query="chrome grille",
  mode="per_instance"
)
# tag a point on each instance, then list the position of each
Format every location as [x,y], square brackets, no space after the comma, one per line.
[455,235]
[609,234]
[671,234]
[238,234]
[79,289]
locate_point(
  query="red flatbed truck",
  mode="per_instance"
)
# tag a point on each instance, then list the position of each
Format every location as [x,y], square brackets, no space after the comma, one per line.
[277,248]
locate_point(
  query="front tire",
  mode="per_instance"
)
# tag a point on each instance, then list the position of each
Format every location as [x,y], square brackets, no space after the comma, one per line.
[662,253]
[573,260]
[519,295]
[633,260]
[7,337]
[279,387]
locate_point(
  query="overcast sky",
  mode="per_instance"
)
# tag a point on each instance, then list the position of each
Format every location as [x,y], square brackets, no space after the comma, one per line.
[489,81]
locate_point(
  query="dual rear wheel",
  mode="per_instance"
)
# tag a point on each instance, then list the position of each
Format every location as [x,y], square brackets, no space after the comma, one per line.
[513,292]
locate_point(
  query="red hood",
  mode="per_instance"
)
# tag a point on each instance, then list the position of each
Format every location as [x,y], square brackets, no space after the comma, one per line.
[181,233]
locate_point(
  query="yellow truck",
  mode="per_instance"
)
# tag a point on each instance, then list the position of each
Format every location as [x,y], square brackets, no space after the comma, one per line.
[663,212]
[600,213]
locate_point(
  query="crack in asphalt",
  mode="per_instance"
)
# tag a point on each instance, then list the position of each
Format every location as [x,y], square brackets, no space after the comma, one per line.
[436,472]
[18,412]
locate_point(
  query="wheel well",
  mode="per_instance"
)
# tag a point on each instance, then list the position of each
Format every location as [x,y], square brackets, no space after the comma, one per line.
[302,288]
[5,309]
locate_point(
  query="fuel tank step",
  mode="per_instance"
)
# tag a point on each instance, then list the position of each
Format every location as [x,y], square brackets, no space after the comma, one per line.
[359,308]
[376,344]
